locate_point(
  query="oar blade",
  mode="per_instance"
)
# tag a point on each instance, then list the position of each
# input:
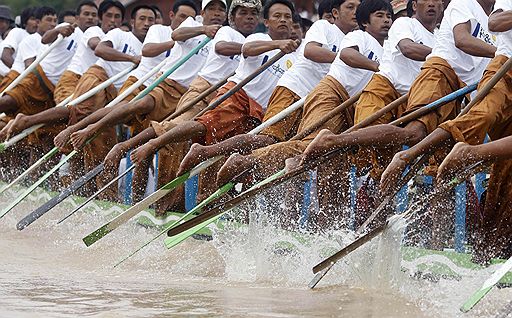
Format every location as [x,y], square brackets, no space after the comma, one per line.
[312,284]
[36,214]
[132,211]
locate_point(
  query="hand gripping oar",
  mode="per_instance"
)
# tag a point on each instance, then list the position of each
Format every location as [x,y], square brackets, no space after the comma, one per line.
[140,206]
[33,65]
[69,102]
[216,212]
[55,150]
[74,152]
[29,219]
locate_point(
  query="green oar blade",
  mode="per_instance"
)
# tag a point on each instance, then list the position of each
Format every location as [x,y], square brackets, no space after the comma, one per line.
[487,286]
[36,184]
[217,194]
[134,210]
[39,162]
[171,242]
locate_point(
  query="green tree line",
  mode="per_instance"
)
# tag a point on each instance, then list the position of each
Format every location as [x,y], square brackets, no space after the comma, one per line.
[18,5]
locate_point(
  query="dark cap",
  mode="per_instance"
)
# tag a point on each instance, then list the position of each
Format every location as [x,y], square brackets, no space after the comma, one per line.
[5,13]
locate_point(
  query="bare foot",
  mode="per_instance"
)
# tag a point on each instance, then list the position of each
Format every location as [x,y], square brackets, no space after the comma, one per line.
[393,172]
[293,163]
[79,138]
[322,144]
[114,156]
[460,157]
[142,153]
[15,126]
[62,138]
[197,154]
[235,165]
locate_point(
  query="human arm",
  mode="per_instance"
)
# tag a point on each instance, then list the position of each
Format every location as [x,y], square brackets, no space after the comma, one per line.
[106,51]
[465,42]
[255,48]
[500,21]
[185,33]
[155,49]
[7,56]
[51,35]
[414,51]
[228,48]
[315,52]
[352,57]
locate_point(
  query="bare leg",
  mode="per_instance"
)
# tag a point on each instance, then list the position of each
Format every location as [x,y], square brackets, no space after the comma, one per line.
[118,115]
[22,121]
[235,165]
[461,156]
[240,143]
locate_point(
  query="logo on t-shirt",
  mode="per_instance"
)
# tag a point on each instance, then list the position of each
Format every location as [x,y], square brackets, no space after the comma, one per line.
[483,35]
[373,57]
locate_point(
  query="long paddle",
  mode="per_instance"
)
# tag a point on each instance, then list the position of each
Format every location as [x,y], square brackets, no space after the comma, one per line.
[33,65]
[214,212]
[98,169]
[74,152]
[140,206]
[327,265]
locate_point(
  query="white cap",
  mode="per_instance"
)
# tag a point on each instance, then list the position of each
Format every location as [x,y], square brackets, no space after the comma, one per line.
[206,2]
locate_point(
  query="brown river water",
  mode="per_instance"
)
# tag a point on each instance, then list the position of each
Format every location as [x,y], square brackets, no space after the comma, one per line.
[46,271]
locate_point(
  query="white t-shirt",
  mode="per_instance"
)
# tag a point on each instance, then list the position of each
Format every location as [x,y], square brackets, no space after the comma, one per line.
[219,66]
[28,48]
[400,70]
[84,56]
[504,38]
[189,70]
[306,74]
[261,87]
[14,39]
[57,61]
[469,68]
[124,42]
[355,79]
[156,34]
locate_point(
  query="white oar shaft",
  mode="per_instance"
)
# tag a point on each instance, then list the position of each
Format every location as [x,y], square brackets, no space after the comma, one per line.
[100,87]
[136,85]
[34,64]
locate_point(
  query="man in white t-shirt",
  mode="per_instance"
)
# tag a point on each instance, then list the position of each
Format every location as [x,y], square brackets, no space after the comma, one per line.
[222,61]
[492,116]
[357,60]
[410,41]
[16,35]
[320,49]
[111,15]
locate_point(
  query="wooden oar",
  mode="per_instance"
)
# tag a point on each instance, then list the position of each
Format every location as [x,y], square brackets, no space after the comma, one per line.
[327,265]
[74,152]
[249,194]
[33,65]
[140,206]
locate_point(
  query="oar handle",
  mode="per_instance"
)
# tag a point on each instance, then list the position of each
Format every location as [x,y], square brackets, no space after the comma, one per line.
[185,108]
[433,106]
[136,85]
[315,126]
[243,82]
[488,86]
[33,65]
[166,74]
[278,117]
[101,86]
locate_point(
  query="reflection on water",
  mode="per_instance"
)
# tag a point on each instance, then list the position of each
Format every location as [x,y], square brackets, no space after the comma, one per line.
[47,272]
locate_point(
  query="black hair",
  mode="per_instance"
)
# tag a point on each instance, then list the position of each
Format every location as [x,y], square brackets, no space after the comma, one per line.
[126,24]
[324,7]
[85,3]
[42,11]
[157,9]
[306,23]
[270,3]
[107,4]
[66,13]
[26,15]
[141,7]
[367,7]
[187,3]
[335,4]
[410,10]
[296,18]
